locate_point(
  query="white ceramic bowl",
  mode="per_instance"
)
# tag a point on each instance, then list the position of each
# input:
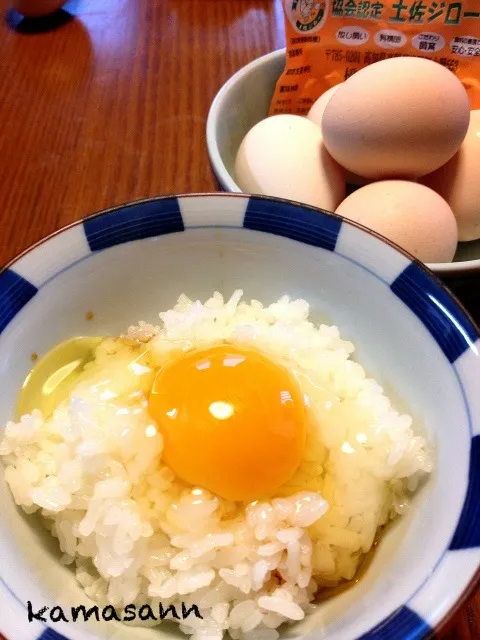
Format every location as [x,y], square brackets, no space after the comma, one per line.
[243,101]
[132,261]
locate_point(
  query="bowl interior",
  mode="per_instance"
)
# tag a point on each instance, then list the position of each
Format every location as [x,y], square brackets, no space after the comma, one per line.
[134,280]
[242,102]
[235,111]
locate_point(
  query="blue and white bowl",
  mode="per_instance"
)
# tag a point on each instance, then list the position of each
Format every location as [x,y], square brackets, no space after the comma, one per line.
[128,263]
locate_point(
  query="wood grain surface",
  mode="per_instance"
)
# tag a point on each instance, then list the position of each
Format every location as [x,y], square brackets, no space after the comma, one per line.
[112,105]
[108,103]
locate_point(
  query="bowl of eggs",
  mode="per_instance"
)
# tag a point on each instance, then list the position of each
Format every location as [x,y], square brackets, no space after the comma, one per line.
[395,148]
[219,419]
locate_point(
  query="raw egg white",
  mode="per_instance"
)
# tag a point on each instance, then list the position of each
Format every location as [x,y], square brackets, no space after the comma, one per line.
[284,156]
[232,420]
[458,182]
[402,117]
[407,213]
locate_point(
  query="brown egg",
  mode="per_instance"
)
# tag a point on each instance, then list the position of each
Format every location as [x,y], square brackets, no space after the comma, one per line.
[316,112]
[37,8]
[402,117]
[407,213]
[458,182]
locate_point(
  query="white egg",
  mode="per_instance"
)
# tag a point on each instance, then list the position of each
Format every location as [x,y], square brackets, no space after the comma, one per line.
[284,156]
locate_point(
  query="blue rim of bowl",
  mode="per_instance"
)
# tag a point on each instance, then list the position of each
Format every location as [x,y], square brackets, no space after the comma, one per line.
[321,221]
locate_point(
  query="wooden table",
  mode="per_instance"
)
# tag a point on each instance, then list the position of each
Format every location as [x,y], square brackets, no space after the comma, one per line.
[111,105]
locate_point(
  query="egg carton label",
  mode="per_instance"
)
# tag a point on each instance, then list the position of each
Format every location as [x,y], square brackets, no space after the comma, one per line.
[330,40]
[390,39]
[466,46]
[428,42]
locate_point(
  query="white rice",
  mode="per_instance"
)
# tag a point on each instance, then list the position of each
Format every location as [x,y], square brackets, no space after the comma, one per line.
[136,534]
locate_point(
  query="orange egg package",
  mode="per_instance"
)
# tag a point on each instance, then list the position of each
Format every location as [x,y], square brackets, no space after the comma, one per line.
[330,40]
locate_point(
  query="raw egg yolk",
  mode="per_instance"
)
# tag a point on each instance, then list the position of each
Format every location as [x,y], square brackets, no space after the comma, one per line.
[233,421]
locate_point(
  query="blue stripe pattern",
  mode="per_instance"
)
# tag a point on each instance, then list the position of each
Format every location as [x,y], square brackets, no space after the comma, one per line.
[142,220]
[291,221]
[451,329]
[467,533]
[15,292]
[50,634]
[404,624]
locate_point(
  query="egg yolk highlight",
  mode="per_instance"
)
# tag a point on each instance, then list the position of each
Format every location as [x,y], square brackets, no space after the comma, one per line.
[233,421]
